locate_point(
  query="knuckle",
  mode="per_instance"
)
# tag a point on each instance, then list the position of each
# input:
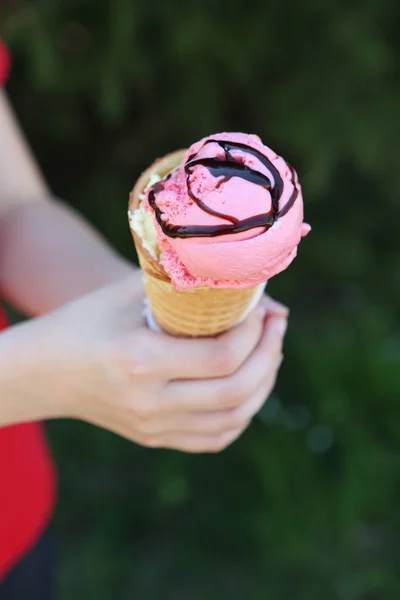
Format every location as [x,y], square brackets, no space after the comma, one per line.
[234,391]
[214,447]
[139,366]
[274,366]
[269,357]
[147,427]
[225,396]
[151,441]
[227,358]
[236,419]
[145,409]
[218,443]
[222,423]
[278,340]
[278,347]
[131,359]
[138,358]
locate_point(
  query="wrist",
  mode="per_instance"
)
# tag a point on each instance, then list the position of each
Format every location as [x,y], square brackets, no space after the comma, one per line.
[28,366]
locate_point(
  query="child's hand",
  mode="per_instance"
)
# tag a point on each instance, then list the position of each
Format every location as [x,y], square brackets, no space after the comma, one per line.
[103,365]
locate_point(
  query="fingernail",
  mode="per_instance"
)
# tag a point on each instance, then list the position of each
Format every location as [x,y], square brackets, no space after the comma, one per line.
[278,313]
[276,308]
[280,325]
[284,308]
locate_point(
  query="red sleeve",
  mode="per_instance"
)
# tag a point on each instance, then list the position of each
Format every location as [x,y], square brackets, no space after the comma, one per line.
[5,62]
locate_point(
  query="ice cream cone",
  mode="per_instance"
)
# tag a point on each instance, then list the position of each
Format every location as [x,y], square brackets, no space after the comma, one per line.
[195,312]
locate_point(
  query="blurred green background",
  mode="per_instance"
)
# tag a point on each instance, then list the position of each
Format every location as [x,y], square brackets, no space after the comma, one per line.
[306,504]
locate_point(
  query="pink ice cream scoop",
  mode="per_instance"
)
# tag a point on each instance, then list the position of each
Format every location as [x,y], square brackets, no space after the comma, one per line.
[230,216]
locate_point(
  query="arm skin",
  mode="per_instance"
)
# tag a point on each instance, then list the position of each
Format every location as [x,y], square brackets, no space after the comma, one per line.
[94,358]
[48,254]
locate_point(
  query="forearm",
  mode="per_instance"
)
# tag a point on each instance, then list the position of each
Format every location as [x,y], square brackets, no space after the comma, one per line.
[26,390]
[20,177]
[50,255]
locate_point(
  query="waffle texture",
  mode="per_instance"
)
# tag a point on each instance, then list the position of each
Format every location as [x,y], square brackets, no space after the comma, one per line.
[195,312]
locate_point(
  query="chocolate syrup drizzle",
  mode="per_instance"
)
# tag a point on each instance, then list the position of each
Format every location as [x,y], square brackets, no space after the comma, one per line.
[227,168]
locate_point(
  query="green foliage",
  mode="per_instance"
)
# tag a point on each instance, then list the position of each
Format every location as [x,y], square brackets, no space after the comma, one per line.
[306,504]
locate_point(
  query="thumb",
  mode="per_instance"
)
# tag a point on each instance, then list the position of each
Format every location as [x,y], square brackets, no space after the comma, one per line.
[274,308]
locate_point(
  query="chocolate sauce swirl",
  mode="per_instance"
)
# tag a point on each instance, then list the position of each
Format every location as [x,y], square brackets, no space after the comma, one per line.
[227,168]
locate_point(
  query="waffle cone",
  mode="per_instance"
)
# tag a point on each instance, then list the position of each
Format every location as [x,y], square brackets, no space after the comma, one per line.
[194,312]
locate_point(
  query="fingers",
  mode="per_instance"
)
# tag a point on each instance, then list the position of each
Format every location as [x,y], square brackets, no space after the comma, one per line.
[201,432]
[247,410]
[177,440]
[228,392]
[207,423]
[208,431]
[198,443]
[204,358]
[274,308]
[212,432]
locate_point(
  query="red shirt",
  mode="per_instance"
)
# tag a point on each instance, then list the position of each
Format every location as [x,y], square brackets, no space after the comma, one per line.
[27,478]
